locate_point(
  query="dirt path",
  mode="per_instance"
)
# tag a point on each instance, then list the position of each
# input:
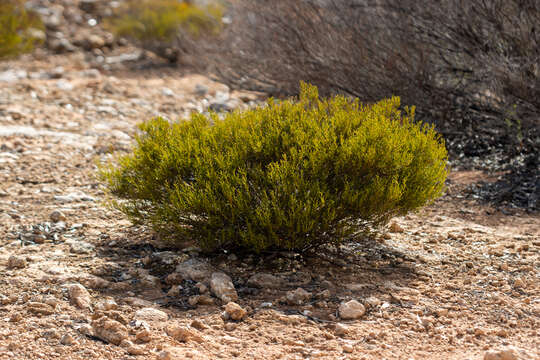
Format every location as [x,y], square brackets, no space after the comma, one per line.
[452,282]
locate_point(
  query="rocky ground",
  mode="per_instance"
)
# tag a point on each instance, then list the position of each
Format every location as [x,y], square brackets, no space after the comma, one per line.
[458,280]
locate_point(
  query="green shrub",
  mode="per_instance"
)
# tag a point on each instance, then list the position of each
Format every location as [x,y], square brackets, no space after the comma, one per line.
[290,175]
[160,20]
[17,29]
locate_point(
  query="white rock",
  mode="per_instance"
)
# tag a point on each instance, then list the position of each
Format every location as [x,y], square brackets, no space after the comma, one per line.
[351,310]
[151,315]
[341,329]
[222,287]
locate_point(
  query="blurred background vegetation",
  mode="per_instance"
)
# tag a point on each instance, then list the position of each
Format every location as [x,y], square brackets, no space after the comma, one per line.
[19,29]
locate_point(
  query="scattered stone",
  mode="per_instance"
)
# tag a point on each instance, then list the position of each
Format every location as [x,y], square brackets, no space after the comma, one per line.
[86,329]
[57,216]
[107,304]
[80,297]
[347,348]
[222,287]
[174,291]
[230,326]
[13,75]
[131,348]
[200,300]
[201,90]
[479,332]
[197,324]
[324,295]
[16,262]
[395,228]
[203,289]
[15,317]
[94,41]
[194,269]
[51,334]
[40,308]
[109,330]
[234,311]
[264,281]
[372,301]
[73,197]
[111,314]
[519,283]
[184,334]
[167,92]
[61,45]
[80,247]
[165,355]
[341,329]
[151,315]
[508,353]
[144,336]
[67,339]
[351,310]
[297,297]
[441,312]
[174,279]
[95,282]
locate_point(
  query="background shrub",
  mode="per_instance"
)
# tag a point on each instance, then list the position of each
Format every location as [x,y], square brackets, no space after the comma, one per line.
[17,29]
[170,28]
[470,66]
[288,175]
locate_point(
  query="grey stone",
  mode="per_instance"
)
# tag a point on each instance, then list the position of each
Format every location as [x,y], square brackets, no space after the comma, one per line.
[351,310]
[222,287]
[194,269]
[297,297]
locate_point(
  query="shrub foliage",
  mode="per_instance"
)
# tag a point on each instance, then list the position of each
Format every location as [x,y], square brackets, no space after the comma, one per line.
[291,174]
[16,29]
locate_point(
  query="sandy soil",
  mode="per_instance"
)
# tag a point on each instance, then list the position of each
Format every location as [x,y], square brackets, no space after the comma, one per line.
[453,281]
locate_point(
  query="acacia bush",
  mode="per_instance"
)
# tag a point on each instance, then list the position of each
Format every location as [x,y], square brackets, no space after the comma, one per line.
[17,29]
[288,175]
[170,28]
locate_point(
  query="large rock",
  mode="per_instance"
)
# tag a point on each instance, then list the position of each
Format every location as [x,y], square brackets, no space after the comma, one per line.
[79,296]
[151,315]
[194,269]
[222,287]
[108,330]
[264,281]
[351,310]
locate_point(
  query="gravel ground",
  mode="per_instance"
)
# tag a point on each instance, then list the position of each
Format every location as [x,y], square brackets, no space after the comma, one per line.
[457,280]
